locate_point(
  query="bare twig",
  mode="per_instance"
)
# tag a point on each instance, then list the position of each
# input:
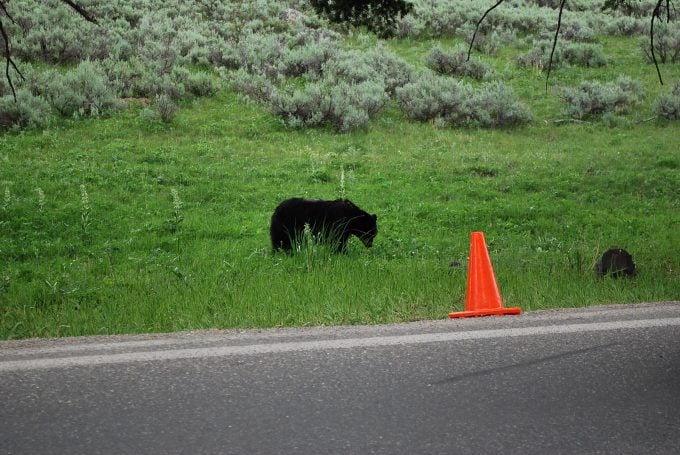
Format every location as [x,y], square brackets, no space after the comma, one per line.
[552,51]
[9,62]
[566,120]
[80,10]
[4,10]
[472,41]
[655,14]
[645,120]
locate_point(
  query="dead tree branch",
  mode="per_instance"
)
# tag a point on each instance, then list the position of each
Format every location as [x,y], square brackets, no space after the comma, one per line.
[655,14]
[7,48]
[9,62]
[81,11]
[472,41]
[552,51]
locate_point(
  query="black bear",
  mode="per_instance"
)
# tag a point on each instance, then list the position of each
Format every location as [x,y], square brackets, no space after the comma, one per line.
[616,262]
[332,222]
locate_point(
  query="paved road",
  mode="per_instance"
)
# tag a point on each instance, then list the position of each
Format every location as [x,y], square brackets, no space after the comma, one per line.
[597,380]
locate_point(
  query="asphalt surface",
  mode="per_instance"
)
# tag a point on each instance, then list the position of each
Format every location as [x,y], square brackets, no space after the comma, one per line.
[595,380]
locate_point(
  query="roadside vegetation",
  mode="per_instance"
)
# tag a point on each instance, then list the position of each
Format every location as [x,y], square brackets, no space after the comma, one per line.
[144,156]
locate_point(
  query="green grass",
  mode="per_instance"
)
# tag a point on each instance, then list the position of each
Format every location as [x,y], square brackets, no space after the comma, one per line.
[550,199]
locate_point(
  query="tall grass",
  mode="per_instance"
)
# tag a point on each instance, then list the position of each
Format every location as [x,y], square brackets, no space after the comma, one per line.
[549,200]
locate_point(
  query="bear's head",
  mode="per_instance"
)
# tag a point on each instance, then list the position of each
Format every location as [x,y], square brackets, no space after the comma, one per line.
[366,228]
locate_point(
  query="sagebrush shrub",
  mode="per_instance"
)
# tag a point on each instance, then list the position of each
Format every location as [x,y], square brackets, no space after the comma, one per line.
[454,17]
[148,114]
[409,26]
[306,52]
[378,64]
[146,47]
[587,55]
[582,19]
[256,87]
[495,105]
[632,87]
[343,105]
[611,120]
[224,54]
[592,98]
[379,16]
[626,26]
[539,56]
[83,91]
[344,89]
[353,105]
[201,84]
[166,107]
[450,102]
[171,85]
[667,106]
[429,97]
[309,106]
[394,71]
[260,53]
[43,31]
[577,31]
[29,111]
[666,44]
[351,66]
[455,63]
[489,41]
[126,77]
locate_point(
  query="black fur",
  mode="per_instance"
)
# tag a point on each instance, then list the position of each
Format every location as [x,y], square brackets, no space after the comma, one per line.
[330,221]
[617,263]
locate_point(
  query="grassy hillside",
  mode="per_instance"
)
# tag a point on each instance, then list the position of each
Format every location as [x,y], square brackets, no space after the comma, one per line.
[120,222]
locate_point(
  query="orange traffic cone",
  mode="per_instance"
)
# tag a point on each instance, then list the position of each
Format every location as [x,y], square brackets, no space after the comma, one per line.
[483,298]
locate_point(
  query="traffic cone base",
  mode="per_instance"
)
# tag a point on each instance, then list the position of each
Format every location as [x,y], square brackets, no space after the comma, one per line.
[483,297]
[488,312]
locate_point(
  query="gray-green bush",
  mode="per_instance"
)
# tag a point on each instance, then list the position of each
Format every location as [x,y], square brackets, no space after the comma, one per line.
[455,63]
[343,105]
[29,111]
[593,98]
[378,64]
[345,90]
[430,97]
[166,107]
[172,47]
[587,55]
[667,106]
[83,91]
[255,87]
[201,84]
[449,102]
[307,51]
[497,106]
[666,44]
[377,15]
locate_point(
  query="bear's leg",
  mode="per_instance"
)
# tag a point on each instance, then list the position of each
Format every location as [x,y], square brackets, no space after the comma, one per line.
[281,239]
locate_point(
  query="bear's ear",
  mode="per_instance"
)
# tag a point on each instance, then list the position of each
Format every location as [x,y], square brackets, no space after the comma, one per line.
[375,217]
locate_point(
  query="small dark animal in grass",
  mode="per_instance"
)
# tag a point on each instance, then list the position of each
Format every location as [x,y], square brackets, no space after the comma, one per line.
[332,222]
[617,263]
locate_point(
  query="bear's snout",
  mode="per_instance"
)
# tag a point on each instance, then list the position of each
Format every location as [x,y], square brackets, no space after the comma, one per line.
[367,241]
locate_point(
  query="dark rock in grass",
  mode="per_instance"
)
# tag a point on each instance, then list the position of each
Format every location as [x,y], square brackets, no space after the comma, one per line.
[616,262]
